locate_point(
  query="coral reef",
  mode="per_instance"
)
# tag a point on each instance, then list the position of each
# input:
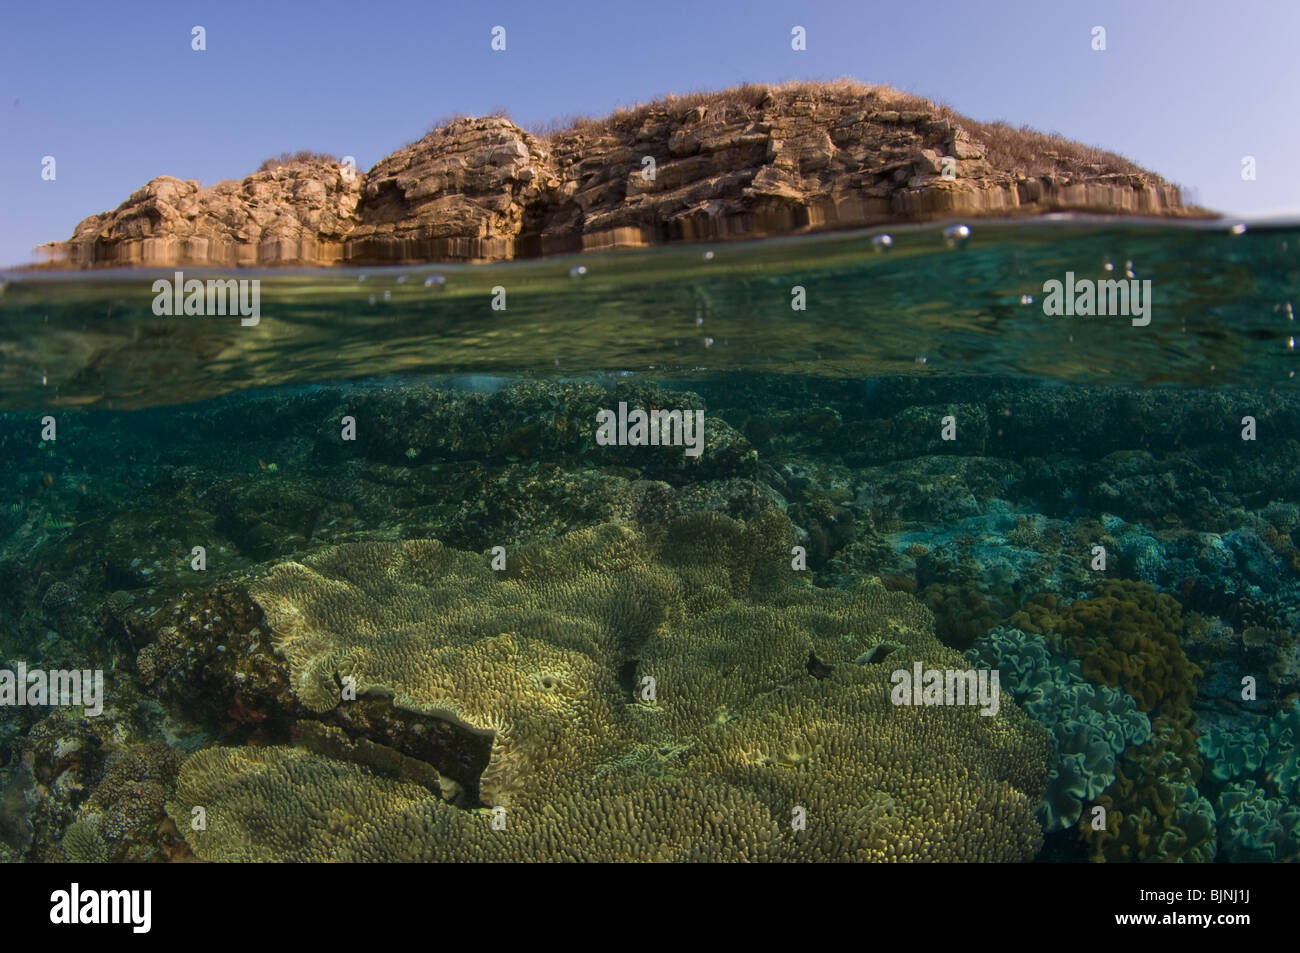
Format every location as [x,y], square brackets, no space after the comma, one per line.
[521,689]
[1128,636]
[1254,827]
[95,788]
[1091,725]
[121,818]
[1154,810]
[770,695]
[1270,748]
[17,797]
[1254,765]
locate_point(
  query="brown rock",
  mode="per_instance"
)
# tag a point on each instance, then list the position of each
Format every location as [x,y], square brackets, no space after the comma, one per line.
[683,143]
[964,149]
[928,161]
[746,162]
[458,193]
[293,215]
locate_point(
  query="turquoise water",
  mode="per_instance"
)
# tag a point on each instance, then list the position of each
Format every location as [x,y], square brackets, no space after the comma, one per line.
[905,457]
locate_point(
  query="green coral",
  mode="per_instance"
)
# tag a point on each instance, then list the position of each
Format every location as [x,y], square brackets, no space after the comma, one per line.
[1259,767]
[1271,750]
[770,701]
[1091,725]
[1154,810]
[1256,827]
[84,844]
[1282,764]
[1232,752]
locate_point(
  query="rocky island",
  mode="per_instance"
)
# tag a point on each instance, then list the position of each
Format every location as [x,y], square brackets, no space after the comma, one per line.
[747,162]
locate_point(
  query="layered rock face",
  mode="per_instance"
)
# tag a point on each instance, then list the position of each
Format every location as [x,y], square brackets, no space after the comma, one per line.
[459,194]
[749,162]
[293,215]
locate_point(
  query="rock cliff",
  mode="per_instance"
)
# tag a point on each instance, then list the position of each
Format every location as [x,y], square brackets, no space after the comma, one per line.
[747,162]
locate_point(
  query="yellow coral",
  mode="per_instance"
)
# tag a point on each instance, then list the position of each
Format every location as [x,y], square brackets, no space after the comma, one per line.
[741,733]
[1153,810]
[1129,636]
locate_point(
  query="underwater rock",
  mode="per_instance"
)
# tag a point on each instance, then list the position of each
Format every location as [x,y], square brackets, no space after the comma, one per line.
[525,421]
[17,798]
[211,663]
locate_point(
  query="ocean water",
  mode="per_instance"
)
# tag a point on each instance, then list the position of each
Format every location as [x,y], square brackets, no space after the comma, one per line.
[820,548]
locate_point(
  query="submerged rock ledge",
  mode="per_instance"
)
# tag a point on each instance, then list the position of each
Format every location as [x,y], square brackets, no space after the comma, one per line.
[748,162]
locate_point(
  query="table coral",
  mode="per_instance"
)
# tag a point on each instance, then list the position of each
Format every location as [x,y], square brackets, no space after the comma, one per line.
[742,735]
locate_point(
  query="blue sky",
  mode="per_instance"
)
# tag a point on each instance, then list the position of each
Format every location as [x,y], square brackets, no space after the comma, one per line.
[113,91]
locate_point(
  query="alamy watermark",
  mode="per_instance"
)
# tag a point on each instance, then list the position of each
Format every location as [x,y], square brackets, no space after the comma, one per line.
[215,297]
[1085,297]
[74,906]
[652,428]
[934,686]
[61,687]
